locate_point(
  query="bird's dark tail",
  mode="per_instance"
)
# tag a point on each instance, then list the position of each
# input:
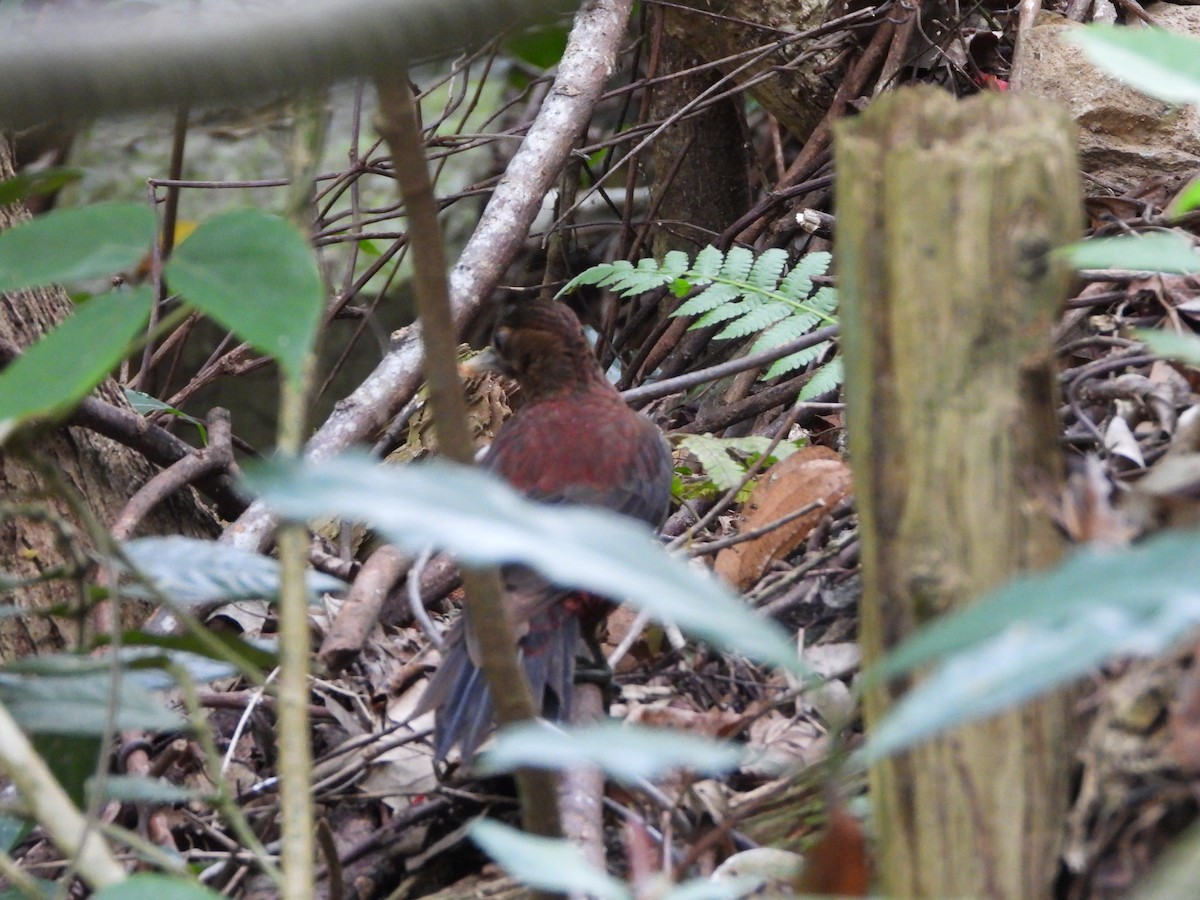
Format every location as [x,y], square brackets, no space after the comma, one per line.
[459,693]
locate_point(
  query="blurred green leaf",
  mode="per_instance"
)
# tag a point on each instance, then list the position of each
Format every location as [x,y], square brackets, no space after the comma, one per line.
[79,705]
[67,245]
[261,654]
[1167,252]
[135,789]
[155,887]
[543,863]
[540,46]
[143,404]
[256,275]
[1039,632]
[1176,872]
[483,521]
[192,571]
[61,368]
[1160,63]
[72,758]
[627,753]
[1186,200]
[31,184]
[1171,345]
[12,830]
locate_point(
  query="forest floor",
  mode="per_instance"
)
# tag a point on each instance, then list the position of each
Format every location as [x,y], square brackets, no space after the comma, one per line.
[1130,431]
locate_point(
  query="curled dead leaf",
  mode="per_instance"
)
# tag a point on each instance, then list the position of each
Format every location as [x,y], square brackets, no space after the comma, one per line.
[812,475]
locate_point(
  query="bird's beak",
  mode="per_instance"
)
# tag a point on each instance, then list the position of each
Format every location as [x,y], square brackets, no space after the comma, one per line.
[482,362]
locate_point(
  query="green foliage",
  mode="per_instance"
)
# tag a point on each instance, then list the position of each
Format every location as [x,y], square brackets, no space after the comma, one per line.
[256,275]
[1039,632]
[192,571]
[79,705]
[143,404]
[67,245]
[1160,63]
[560,867]
[483,521]
[1166,252]
[1171,345]
[725,460]
[626,753]
[544,863]
[31,184]
[61,368]
[146,886]
[747,294]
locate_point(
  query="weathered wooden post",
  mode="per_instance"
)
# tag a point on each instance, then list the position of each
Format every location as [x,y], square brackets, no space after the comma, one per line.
[946,213]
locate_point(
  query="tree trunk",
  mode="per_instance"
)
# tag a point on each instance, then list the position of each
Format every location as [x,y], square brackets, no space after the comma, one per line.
[103,472]
[701,164]
[946,214]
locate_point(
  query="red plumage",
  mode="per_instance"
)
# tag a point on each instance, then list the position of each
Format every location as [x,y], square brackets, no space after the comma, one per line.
[573,441]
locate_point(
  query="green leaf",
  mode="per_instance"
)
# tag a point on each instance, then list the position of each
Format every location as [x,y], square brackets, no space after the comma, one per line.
[30,184]
[626,753]
[737,888]
[1168,252]
[256,275]
[1186,200]
[1039,632]
[1160,63]
[61,368]
[483,521]
[143,404]
[72,758]
[713,455]
[135,789]
[148,886]
[193,571]
[146,663]
[1171,345]
[1176,872]
[68,245]
[540,46]
[179,647]
[544,863]
[79,705]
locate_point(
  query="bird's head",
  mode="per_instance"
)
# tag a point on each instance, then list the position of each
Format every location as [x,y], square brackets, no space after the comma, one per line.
[542,346]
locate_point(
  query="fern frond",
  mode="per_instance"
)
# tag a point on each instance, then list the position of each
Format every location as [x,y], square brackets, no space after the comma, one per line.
[712,455]
[767,268]
[797,360]
[708,263]
[744,291]
[710,298]
[754,320]
[783,331]
[825,379]
[737,264]
[719,456]
[725,313]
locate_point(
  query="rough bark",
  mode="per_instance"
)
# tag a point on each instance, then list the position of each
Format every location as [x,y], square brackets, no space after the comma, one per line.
[946,214]
[798,94]
[701,164]
[103,472]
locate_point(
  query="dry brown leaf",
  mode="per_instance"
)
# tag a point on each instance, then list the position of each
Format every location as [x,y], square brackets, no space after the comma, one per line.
[810,475]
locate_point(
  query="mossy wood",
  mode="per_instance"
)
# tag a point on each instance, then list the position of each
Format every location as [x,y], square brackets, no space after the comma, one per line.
[947,212]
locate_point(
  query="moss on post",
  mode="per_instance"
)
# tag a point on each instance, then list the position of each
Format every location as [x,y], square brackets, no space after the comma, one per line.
[947,212]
